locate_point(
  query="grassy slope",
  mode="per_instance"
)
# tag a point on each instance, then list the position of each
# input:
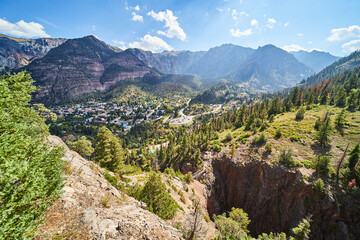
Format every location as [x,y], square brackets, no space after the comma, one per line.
[306,148]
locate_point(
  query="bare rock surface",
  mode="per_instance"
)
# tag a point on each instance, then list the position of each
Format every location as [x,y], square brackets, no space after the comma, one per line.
[90,208]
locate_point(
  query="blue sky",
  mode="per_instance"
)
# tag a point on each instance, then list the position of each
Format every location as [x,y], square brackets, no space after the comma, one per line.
[157,25]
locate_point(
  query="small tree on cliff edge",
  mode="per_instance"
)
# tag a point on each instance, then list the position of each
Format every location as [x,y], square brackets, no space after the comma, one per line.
[323,134]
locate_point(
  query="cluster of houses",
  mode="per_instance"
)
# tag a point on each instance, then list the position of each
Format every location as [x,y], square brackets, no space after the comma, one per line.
[94,112]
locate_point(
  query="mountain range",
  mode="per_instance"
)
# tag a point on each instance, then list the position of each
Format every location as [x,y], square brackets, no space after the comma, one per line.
[67,70]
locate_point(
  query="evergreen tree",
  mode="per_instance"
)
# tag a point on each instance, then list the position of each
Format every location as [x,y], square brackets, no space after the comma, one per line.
[109,153]
[340,99]
[340,118]
[30,170]
[157,199]
[323,134]
[82,146]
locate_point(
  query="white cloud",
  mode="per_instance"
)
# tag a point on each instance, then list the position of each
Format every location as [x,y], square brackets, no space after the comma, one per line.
[296,48]
[93,27]
[174,29]
[238,33]
[254,22]
[220,9]
[271,22]
[234,14]
[293,48]
[137,8]
[351,46]
[22,29]
[244,13]
[339,34]
[151,43]
[137,17]
[300,34]
[119,43]
[286,24]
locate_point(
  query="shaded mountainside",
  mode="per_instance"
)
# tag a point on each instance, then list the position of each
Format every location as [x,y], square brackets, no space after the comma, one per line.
[315,59]
[168,62]
[219,61]
[270,68]
[18,52]
[88,67]
[340,66]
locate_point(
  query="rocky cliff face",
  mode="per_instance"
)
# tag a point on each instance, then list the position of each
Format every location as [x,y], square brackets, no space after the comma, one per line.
[17,52]
[275,198]
[90,208]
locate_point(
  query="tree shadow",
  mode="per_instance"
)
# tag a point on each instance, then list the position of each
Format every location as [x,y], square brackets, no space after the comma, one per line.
[318,149]
[340,129]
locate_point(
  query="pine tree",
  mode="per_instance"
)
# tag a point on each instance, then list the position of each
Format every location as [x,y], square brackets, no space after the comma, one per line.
[340,99]
[323,134]
[109,153]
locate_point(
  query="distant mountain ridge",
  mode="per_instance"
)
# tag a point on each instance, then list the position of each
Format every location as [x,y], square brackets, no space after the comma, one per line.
[19,52]
[270,68]
[74,68]
[316,60]
[340,66]
[235,63]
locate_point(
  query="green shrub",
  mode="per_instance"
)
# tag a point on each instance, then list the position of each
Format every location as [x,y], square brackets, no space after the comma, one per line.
[157,199]
[300,114]
[113,181]
[264,126]
[234,226]
[295,138]
[268,147]
[319,187]
[188,177]
[170,171]
[216,148]
[286,157]
[307,164]
[258,140]
[228,137]
[321,164]
[278,133]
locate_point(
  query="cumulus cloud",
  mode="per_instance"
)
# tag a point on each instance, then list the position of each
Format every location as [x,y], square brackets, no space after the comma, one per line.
[244,13]
[293,48]
[300,34]
[238,33]
[171,23]
[136,17]
[119,43]
[151,43]
[339,34]
[351,46]
[137,8]
[271,22]
[254,22]
[22,29]
[296,48]
[286,24]
[234,14]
